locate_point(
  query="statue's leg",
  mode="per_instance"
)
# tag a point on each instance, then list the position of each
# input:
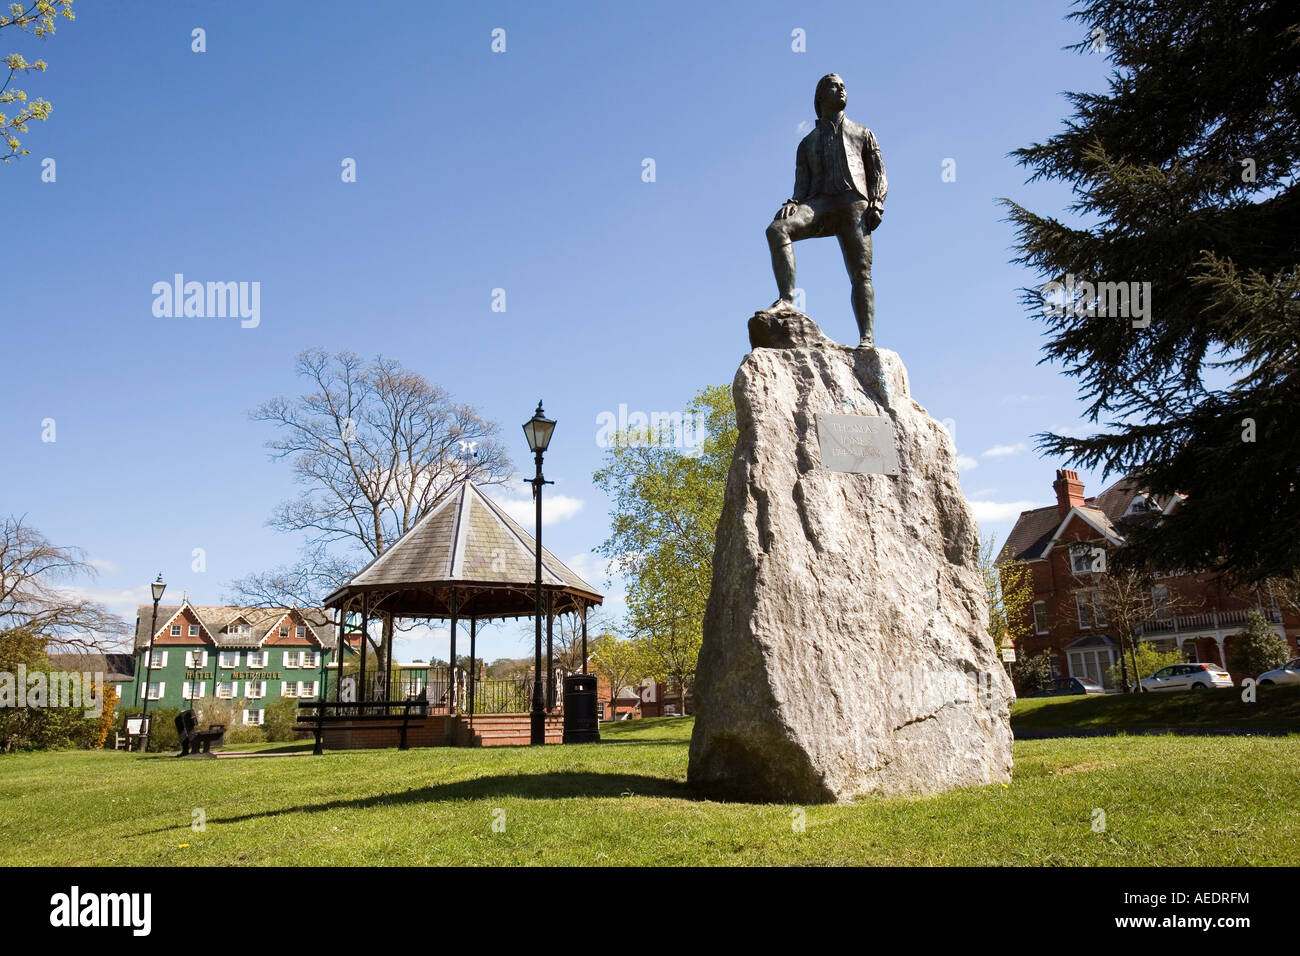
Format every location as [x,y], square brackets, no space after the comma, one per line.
[855,244]
[781,236]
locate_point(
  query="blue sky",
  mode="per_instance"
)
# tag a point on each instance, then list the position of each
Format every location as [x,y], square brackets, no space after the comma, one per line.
[477,171]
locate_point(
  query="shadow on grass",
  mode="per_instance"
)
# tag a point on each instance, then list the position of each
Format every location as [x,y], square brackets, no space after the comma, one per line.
[1217,709]
[529,786]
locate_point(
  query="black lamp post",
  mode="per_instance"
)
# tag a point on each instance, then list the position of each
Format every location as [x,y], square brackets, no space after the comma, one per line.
[158,587]
[538,430]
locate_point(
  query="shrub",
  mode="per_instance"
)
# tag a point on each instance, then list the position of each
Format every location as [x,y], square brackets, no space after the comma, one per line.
[105,721]
[1032,674]
[43,727]
[231,713]
[1149,660]
[162,729]
[280,719]
[1256,648]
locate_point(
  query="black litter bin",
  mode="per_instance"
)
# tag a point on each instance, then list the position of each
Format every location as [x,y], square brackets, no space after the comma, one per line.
[581,725]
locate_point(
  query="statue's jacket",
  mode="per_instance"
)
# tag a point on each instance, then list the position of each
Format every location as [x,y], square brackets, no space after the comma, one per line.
[866,167]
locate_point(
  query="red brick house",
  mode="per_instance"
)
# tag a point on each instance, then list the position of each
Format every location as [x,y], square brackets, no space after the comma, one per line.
[650,698]
[1064,546]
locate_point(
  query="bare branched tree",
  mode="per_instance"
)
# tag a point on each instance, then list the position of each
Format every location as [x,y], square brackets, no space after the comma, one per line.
[374,446]
[1121,600]
[36,597]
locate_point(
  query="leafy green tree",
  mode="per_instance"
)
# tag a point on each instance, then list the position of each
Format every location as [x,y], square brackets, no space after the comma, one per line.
[1184,175]
[38,20]
[1009,587]
[667,501]
[1256,648]
[617,660]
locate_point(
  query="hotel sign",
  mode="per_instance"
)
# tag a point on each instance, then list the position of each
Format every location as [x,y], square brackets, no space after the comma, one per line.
[237,675]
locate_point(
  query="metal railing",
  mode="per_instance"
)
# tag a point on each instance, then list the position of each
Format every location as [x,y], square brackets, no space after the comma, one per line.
[502,696]
[1212,620]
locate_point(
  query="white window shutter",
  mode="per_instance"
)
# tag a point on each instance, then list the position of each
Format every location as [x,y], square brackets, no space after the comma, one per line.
[162,690]
[282,683]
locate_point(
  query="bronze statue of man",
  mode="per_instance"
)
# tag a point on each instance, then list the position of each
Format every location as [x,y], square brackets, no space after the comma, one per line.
[839,190]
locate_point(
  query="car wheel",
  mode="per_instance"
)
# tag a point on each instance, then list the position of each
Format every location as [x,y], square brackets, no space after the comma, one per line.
[1198,686]
[1266,683]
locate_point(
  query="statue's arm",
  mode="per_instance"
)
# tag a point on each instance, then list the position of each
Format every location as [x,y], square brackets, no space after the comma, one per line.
[875,165]
[802,175]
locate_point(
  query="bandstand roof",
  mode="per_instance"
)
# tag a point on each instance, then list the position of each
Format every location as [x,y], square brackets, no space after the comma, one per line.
[469,548]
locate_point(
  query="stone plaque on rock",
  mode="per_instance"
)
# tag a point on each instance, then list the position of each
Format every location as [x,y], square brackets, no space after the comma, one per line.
[861,444]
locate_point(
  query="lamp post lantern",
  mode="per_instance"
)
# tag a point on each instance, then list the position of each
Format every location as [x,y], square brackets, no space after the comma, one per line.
[538,430]
[157,587]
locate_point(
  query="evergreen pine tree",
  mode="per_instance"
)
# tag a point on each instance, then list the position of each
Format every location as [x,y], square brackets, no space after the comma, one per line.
[1184,173]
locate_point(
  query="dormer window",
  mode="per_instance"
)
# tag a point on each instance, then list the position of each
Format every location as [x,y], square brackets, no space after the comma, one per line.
[1141,505]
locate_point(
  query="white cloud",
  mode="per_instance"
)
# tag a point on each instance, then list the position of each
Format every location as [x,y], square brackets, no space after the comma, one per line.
[992,511]
[965,463]
[1003,451]
[120,601]
[555,507]
[102,566]
[592,568]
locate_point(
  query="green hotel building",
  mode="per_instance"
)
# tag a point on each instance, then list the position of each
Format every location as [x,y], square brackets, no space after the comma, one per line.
[249,656]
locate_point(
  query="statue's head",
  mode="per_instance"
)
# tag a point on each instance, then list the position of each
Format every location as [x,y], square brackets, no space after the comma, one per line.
[830,94]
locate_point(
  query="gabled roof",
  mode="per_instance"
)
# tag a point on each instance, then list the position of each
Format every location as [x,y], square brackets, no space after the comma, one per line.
[1035,530]
[216,618]
[1093,517]
[292,613]
[180,609]
[467,538]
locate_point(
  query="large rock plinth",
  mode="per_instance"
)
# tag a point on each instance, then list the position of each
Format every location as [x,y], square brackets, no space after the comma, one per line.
[846,648]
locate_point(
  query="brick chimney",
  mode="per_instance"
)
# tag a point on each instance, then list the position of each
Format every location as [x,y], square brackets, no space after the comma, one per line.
[1069,491]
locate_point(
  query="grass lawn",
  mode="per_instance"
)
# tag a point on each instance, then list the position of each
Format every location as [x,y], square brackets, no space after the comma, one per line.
[1275,708]
[1168,801]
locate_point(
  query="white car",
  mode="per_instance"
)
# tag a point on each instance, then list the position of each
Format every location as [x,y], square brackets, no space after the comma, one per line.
[1187,677]
[1288,673]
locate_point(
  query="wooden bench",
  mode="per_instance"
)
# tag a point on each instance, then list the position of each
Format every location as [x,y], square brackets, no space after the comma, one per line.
[382,717]
[192,739]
